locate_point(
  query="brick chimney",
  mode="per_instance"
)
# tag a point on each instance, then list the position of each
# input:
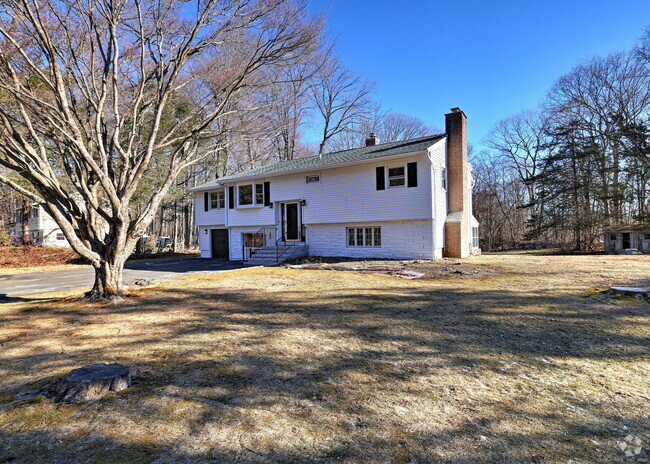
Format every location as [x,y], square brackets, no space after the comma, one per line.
[372,140]
[457,236]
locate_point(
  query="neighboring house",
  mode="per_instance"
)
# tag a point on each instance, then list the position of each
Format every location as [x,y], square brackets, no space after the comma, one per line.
[42,229]
[626,237]
[406,200]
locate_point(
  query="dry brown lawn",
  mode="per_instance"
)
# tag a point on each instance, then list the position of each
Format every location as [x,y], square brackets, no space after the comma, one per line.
[527,364]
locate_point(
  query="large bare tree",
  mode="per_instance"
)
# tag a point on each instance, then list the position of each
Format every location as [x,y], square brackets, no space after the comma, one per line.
[99,97]
[341,98]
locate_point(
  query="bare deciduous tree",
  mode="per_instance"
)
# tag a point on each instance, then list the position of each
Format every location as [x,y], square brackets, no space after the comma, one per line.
[99,96]
[522,141]
[341,98]
[389,127]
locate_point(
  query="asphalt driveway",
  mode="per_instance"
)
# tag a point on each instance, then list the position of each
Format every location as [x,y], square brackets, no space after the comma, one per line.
[20,285]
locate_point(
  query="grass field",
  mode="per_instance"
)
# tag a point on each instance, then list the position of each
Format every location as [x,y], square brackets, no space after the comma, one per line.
[523,363]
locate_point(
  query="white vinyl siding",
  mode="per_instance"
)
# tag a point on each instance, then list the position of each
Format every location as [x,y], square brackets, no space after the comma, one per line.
[345,194]
[212,217]
[438,155]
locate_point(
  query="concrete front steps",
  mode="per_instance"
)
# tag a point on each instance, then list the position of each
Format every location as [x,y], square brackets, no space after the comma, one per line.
[266,256]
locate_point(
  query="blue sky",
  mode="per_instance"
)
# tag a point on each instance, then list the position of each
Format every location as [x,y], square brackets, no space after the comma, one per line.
[490,58]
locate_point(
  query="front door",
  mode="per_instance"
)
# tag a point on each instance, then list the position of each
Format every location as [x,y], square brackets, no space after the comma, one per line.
[626,241]
[291,221]
[219,243]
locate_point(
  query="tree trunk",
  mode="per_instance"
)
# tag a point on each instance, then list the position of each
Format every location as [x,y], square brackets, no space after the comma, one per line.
[24,222]
[109,282]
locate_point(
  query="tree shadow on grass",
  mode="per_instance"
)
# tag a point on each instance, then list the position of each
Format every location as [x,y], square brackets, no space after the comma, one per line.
[397,374]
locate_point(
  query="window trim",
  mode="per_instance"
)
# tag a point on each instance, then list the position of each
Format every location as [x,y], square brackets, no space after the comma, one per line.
[388,168]
[357,232]
[386,175]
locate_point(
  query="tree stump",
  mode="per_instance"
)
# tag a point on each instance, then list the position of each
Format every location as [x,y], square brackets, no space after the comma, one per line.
[90,382]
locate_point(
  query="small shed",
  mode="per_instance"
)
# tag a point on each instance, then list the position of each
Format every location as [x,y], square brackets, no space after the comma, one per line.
[620,238]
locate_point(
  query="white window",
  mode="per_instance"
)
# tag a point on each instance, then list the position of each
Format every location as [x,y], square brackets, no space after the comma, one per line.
[217,200]
[251,194]
[259,194]
[314,179]
[245,194]
[444,179]
[60,236]
[364,236]
[396,177]
[475,237]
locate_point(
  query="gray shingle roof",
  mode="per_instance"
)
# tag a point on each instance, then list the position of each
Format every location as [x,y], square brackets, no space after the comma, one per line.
[330,159]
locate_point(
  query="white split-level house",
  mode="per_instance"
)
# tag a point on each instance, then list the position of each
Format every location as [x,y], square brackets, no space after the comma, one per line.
[397,200]
[42,229]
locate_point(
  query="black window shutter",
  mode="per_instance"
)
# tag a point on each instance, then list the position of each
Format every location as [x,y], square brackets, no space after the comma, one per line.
[412,169]
[206,200]
[231,197]
[267,193]
[381,179]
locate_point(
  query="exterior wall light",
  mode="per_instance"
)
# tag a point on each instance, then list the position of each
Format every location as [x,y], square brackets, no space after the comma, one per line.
[303,202]
[205,231]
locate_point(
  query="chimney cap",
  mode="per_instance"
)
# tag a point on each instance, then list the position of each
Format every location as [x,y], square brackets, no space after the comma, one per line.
[456,110]
[372,139]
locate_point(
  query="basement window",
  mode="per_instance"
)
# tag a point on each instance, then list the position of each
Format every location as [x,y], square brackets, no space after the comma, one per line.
[364,236]
[254,240]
